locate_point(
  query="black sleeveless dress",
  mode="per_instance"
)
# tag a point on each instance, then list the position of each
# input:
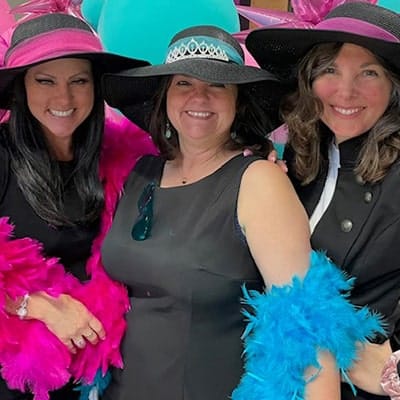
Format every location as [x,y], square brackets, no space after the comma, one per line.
[183,339]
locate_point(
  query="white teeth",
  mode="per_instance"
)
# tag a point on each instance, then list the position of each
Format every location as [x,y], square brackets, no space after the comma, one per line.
[57,113]
[199,114]
[347,111]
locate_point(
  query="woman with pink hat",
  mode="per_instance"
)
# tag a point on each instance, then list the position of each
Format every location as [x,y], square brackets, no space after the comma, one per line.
[61,173]
[343,156]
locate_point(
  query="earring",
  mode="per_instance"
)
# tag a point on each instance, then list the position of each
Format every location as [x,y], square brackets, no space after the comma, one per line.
[168,131]
[233,135]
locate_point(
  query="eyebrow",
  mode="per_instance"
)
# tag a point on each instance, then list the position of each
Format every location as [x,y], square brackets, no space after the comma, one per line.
[366,64]
[83,72]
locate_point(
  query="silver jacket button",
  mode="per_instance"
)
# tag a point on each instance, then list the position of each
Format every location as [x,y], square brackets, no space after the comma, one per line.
[368,197]
[346,225]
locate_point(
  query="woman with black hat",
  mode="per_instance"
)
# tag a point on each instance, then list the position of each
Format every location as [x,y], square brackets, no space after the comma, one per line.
[202,220]
[343,155]
[59,173]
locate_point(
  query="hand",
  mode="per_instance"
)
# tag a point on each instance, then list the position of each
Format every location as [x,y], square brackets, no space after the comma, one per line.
[68,319]
[366,372]
[273,156]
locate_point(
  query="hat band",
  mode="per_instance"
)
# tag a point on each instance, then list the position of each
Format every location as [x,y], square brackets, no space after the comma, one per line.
[202,47]
[52,44]
[358,27]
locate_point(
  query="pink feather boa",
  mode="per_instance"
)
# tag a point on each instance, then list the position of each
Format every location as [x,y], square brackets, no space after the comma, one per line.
[32,358]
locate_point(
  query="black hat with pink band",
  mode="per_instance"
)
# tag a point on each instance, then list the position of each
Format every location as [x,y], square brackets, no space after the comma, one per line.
[52,36]
[375,28]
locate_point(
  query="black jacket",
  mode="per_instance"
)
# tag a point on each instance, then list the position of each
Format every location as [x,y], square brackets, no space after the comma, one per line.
[360,232]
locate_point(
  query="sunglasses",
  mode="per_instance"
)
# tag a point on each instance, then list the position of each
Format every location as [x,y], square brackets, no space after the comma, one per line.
[141,229]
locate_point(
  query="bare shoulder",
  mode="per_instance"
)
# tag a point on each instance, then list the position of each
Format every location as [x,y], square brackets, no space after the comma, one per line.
[274,222]
[264,176]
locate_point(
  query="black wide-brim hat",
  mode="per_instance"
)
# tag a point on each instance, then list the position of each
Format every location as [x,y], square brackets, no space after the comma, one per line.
[375,28]
[50,37]
[204,52]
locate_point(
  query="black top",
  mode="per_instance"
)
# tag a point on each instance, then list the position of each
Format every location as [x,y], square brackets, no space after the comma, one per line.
[183,338]
[360,230]
[71,245]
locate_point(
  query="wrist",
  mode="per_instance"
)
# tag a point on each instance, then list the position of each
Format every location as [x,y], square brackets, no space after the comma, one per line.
[40,306]
[22,308]
[390,379]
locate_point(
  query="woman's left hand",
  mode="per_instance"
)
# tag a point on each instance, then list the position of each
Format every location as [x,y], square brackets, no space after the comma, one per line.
[366,372]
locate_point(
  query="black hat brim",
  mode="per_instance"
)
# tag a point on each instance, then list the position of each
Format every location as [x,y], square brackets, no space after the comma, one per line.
[279,50]
[132,91]
[102,61]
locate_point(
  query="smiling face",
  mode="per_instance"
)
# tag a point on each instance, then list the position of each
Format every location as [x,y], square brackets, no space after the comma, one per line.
[201,111]
[354,90]
[60,95]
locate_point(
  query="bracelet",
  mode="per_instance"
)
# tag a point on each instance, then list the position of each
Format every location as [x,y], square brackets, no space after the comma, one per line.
[22,310]
[390,379]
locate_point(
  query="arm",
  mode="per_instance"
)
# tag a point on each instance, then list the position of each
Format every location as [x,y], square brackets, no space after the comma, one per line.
[276,229]
[302,330]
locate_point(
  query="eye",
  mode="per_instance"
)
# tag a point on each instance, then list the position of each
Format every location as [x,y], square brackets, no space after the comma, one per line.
[80,81]
[329,70]
[44,81]
[182,83]
[219,85]
[370,72]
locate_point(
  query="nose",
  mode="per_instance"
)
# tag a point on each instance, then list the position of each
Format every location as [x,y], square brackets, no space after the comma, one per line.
[63,93]
[200,91]
[347,87]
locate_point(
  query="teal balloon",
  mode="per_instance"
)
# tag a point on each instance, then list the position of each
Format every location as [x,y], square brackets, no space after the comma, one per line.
[143,28]
[391,4]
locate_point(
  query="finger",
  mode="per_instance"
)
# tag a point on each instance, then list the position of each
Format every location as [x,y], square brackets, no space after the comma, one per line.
[272,156]
[79,342]
[91,336]
[282,165]
[70,345]
[97,327]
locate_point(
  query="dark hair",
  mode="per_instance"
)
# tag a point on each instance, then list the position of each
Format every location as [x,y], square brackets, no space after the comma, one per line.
[302,111]
[250,128]
[38,174]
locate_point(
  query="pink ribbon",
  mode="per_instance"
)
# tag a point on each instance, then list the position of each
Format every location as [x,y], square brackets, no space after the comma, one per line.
[39,7]
[306,13]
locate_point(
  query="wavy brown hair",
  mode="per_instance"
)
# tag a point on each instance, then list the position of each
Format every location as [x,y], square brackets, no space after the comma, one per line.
[302,111]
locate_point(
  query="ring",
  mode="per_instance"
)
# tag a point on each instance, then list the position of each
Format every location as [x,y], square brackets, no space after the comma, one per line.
[90,334]
[80,342]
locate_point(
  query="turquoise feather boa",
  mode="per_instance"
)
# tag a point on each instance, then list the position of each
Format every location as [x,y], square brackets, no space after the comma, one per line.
[290,324]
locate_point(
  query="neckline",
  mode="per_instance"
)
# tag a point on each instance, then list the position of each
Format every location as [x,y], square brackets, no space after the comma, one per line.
[198,182]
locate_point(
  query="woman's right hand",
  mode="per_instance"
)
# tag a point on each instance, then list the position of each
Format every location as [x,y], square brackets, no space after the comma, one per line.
[67,318]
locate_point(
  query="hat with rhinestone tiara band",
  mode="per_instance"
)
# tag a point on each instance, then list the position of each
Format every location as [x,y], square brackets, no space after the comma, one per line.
[52,36]
[364,24]
[203,52]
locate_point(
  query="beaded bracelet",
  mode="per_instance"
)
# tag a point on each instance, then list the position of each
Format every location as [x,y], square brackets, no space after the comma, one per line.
[390,379]
[22,309]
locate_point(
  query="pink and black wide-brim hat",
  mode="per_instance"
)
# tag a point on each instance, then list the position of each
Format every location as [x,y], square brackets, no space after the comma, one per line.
[52,36]
[364,24]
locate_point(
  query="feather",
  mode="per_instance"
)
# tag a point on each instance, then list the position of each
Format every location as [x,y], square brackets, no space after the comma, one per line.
[290,324]
[25,344]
